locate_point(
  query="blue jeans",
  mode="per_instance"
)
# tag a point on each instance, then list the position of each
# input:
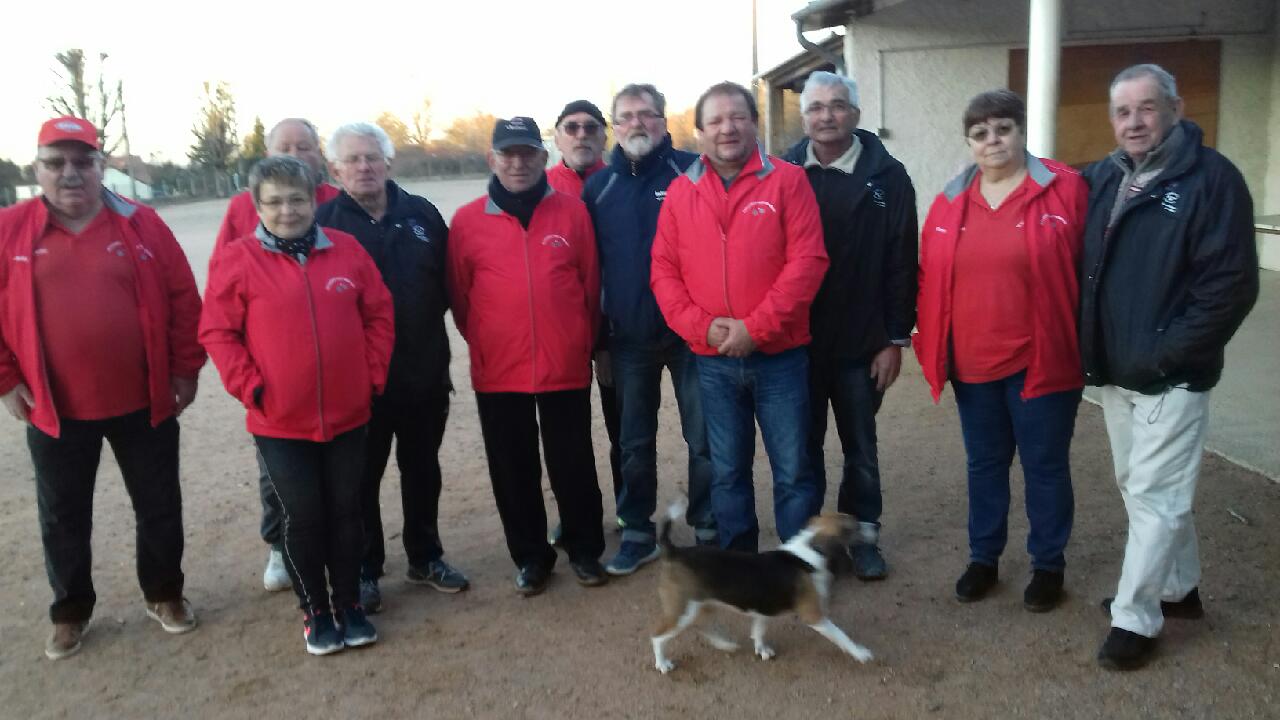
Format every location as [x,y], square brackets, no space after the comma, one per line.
[996,421]
[851,391]
[637,375]
[773,389]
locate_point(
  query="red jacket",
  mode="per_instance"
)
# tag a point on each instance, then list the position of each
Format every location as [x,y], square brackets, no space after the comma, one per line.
[565,179]
[242,217]
[169,305]
[754,253]
[527,301]
[316,338]
[1054,226]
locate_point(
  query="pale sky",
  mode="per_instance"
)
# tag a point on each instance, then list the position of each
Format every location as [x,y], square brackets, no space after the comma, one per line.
[339,62]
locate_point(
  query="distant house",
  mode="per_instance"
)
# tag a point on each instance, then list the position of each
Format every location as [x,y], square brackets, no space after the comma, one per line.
[128,176]
[917,63]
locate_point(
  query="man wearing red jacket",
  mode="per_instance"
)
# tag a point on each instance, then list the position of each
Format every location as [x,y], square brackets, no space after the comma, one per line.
[298,138]
[98,313]
[737,260]
[524,286]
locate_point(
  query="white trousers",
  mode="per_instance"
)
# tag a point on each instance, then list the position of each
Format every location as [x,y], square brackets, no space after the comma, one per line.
[1157,442]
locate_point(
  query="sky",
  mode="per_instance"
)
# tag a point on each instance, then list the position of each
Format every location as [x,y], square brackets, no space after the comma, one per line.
[340,62]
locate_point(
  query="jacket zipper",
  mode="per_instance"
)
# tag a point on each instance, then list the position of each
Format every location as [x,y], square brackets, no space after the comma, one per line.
[724,269]
[533,330]
[315,335]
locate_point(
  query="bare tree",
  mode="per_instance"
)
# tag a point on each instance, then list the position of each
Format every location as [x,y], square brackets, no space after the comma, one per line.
[76,98]
[420,127]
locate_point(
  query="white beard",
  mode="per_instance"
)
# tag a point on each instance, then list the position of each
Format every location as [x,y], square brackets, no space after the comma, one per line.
[637,146]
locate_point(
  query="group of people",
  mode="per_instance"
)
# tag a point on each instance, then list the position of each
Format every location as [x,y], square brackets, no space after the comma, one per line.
[771,289]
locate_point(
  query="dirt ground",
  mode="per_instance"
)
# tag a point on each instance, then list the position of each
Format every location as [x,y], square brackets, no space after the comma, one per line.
[584,653]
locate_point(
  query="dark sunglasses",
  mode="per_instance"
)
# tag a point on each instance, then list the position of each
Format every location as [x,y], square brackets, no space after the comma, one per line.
[588,128]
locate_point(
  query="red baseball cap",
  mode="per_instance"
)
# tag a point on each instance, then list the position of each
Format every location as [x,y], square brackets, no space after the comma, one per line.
[62,129]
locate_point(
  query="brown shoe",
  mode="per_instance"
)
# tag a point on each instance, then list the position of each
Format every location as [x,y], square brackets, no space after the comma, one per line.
[65,639]
[175,616]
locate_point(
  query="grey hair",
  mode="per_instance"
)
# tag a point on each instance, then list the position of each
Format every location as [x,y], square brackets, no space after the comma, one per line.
[639,90]
[315,135]
[360,129]
[281,170]
[1164,80]
[822,78]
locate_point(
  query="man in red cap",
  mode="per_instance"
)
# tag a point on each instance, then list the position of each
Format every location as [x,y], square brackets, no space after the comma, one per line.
[98,314]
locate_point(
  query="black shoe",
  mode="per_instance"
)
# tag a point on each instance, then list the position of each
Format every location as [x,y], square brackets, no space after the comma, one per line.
[532,579]
[976,582]
[1124,650]
[1044,592]
[590,572]
[1188,608]
[357,631]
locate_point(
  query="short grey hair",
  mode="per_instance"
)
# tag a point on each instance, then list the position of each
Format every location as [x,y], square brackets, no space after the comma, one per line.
[315,135]
[281,170]
[1164,80]
[822,78]
[360,129]
[639,90]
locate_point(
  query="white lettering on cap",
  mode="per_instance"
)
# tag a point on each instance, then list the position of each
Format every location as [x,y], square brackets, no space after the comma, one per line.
[69,126]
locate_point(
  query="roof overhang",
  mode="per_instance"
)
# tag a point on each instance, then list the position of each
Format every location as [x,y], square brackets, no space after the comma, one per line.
[820,14]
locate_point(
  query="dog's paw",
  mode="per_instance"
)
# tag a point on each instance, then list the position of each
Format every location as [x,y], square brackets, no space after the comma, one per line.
[765,652]
[664,666]
[861,654]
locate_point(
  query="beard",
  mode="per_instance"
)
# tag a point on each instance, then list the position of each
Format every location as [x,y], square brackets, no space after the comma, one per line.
[637,146]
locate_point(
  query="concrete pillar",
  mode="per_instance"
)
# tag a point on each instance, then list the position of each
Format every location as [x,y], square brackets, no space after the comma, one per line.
[848,50]
[1044,55]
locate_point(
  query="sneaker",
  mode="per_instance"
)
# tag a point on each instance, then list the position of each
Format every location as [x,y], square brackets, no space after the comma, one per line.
[65,639]
[590,573]
[532,579]
[1044,592]
[440,575]
[976,582]
[1124,650]
[631,555]
[707,541]
[357,631]
[370,597]
[868,563]
[322,634]
[175,616]
[275,578]
[1188,608]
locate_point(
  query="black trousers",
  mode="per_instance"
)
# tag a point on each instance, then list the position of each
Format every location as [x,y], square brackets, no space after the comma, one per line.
[609,408]
[270,530]
[510,424]
[317,487]
[66,471]
[418,431]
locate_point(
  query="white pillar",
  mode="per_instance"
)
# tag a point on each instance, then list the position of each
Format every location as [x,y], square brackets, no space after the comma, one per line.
[1044,53]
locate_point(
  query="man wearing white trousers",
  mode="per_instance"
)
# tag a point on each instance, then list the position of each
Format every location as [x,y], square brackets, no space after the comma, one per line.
[1168,273]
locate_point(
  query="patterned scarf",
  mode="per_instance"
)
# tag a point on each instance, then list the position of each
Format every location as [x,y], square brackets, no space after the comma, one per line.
[297,248]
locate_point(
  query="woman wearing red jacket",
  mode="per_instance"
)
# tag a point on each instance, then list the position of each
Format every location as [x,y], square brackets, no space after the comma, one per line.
[997,317]
[299,324]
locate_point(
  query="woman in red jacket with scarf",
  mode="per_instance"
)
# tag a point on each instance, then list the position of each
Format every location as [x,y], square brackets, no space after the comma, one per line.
[299,324]
[997,317]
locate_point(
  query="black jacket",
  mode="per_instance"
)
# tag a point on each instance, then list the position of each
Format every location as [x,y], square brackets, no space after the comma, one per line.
[1164,290]
[624,199]
[868,297]
[408,246]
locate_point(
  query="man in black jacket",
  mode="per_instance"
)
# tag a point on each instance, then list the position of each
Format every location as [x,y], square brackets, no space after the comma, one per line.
[406,237]
[1168,273]
[864,311]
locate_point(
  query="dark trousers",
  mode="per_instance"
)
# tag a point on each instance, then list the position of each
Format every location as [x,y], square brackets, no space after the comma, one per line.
[270,529]
[317,487]
[996,422]
[609,408]
[66,470]
[851,391]
[510,425]
[418,431]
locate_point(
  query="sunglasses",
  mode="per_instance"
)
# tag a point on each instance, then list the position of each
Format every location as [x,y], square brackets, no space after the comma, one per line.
[980,132]
[588,128]
[57,164]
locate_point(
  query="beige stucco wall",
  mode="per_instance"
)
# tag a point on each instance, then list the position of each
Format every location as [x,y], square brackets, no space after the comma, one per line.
[918,63]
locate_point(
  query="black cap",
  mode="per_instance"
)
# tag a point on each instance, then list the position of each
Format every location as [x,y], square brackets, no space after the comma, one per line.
[581,106]
[518,130]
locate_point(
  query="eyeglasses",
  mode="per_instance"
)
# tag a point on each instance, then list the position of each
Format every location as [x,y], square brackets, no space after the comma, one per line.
[981,132]
[836,108]
[293,202]
[371,158]
[58,164]
[588,128]
[643,116]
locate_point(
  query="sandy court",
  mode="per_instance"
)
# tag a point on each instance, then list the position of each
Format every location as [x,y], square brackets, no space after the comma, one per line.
[584,653]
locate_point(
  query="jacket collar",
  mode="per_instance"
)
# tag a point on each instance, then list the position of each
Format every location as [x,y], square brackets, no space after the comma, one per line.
[322,241]
[759,164]
[491,207]
[395,194]
[659,156]
[1039,173]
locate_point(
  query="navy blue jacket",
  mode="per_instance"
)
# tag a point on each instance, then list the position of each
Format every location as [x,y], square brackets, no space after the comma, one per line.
[408,246]
[624,200]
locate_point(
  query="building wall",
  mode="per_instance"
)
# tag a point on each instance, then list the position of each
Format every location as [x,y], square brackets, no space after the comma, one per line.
[918,63]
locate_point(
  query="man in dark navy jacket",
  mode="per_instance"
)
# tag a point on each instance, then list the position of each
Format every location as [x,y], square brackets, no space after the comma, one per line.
[406,237]
[864,311]
[624,200]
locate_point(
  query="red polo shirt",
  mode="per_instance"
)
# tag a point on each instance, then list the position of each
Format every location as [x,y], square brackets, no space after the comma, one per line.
[90,329]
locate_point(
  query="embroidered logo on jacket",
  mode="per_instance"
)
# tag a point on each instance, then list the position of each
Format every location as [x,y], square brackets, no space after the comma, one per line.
[1170,202]
[1047,218]
[143,252]
[116,248]
[659,195]
[339,284]
[758,207]
[879,197]
[555,241]
[419,231]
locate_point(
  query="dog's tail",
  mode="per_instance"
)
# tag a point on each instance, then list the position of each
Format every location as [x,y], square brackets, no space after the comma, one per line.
[674,511]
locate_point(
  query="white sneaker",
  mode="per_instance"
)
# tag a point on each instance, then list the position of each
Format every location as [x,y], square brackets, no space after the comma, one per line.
[275,578]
